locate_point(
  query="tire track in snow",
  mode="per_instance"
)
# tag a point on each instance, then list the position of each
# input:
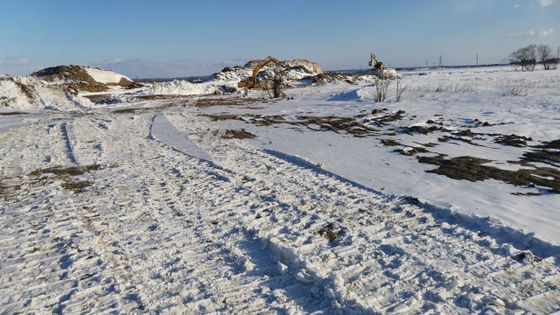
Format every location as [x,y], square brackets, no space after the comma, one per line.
[453,239]
[64,130]
[172,238]
[299,273]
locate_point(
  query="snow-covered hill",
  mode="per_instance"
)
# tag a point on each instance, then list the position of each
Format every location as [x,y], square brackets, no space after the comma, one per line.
[84,79]
[30,94]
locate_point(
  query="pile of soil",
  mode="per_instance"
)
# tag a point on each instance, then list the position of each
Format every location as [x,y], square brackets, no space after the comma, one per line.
[74,77]
[77,79]
[302,66]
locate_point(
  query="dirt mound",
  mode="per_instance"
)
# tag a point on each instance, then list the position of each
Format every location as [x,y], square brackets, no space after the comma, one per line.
[297,70]
[309,66]
[84,79]
[74,77]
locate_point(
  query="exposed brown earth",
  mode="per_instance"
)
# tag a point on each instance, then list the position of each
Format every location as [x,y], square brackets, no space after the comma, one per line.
[472,169]
[238,134]
[208,102]
[75,77]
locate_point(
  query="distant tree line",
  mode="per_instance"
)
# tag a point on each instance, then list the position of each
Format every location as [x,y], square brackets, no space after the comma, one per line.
[528,57]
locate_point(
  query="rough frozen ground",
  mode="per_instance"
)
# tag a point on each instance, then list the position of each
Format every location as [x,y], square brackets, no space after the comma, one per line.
[153,229]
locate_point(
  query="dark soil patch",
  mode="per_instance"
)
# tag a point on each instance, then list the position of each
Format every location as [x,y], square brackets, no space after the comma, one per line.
[432,122]
[421,129]
[337,124]
[472,169]
[525,194]
[465,133]
[526,257]
[383,117]
[452,138]
[513,140]
[390,142]
[66,176]
[27,90]
[551,157]
[75,186]
[127,84]
[158,97]
[238,134]
[555,144]
[127,110]
[66,171]
[330,232]
[222,117]
[316,123]
[411,151]
[11,113]
[429,144]
[477,123]
[208,102]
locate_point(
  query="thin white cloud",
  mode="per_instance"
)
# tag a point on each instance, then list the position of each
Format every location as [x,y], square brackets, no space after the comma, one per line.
[545,3]
[140,68]
[531,33]
[536,4]
[15,65]
[13,61]
[547,32]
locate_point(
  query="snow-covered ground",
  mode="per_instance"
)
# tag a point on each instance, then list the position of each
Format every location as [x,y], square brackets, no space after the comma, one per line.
[147,207]
[456,100]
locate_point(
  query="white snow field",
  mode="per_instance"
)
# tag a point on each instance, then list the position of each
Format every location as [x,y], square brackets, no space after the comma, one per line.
[150,207]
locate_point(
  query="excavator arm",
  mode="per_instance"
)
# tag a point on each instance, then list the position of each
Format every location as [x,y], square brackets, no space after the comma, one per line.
[375,63]
[252,81]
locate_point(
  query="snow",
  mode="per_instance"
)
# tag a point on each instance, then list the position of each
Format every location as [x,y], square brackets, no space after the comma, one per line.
[41,96]
[162,130]
[466,95]
[179,87]
[105,76]
[144,207]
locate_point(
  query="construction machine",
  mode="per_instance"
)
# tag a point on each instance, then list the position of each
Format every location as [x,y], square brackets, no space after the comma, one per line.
[253,83]
[379,70]
[375,63]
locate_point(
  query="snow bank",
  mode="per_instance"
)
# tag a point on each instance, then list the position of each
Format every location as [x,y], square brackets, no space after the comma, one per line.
[28,93]
[180,87]
[106,76]
[366,93]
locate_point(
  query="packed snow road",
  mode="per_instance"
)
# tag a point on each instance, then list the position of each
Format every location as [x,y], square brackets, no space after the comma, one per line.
[150,210]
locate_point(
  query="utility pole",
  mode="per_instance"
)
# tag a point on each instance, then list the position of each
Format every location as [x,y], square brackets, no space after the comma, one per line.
[477,59]
[426,62]
[440,61]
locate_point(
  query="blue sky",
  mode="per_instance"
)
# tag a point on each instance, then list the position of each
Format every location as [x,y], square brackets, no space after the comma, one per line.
[170,38]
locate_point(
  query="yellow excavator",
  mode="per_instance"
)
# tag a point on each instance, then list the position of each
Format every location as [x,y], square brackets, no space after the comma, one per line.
[253,83]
